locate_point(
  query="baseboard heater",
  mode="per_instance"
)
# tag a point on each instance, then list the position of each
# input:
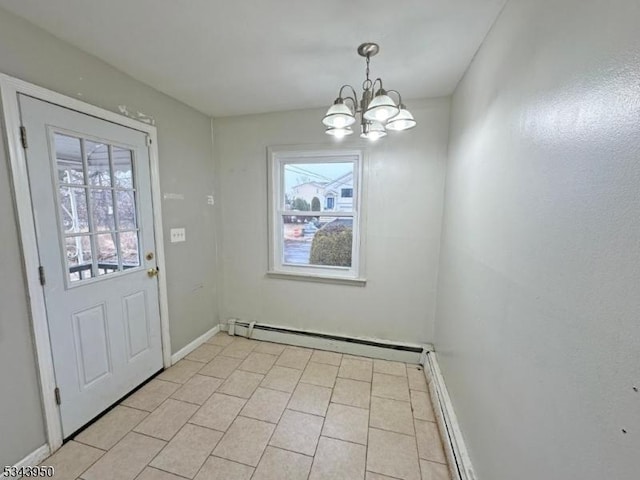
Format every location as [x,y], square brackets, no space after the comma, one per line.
[460,465]
[387,350]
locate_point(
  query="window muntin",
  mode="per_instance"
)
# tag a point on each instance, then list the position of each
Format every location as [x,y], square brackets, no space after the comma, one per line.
[314,230]
[98,210]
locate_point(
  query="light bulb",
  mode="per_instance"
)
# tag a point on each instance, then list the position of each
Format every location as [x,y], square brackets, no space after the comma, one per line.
[339,132]
[339,122]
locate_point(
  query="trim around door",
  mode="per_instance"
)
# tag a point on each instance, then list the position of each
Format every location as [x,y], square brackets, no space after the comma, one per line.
[9,89]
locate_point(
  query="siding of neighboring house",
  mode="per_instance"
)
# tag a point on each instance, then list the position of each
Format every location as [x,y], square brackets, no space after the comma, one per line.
[339,189]
[307,191]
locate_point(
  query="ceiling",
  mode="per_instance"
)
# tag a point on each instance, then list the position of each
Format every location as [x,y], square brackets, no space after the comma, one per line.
[226,57]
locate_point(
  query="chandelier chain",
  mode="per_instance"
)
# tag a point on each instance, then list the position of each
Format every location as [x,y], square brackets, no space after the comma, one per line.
[368,60]
[366,85]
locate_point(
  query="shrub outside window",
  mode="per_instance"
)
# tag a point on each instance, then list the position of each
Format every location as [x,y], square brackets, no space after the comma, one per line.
[315,229]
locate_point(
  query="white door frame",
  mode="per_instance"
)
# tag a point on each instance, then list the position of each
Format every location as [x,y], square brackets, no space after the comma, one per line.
[9,89]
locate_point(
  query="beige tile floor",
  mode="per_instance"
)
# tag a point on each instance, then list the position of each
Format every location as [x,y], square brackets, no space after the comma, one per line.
[238,409]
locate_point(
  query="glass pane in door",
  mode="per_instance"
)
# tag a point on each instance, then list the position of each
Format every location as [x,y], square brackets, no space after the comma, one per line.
[122,168]
[102,204]
[69,159]
[79,258]
[130,249]
[98,169]
[126,205]
[73,209]
[107,253]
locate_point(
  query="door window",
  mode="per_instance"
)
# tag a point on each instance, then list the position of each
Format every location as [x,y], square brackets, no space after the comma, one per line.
[98,211]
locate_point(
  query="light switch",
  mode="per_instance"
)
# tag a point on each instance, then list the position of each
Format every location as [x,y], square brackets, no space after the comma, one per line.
[178,235]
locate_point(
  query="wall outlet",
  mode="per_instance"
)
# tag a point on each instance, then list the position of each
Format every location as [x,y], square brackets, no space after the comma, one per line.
[210,200]
[178,235]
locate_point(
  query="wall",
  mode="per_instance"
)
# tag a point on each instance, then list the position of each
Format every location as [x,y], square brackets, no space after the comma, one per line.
[186,167]
[404,209]
[538,327]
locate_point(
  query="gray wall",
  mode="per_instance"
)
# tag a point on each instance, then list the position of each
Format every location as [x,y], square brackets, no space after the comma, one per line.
[538,319]
[186,167]
[404,213]
[21,419]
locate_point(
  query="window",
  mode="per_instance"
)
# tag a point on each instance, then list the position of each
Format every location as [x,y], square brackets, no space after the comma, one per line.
[98,212]
[347,193]
[309,238]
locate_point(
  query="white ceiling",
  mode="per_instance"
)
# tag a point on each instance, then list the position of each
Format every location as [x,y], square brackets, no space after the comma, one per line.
[230,57]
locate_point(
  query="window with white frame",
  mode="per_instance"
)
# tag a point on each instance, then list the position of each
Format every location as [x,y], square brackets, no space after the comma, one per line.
[314,229]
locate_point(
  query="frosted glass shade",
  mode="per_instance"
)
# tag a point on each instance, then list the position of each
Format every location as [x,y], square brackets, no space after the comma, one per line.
[339,115]
[381,108]
[402,121]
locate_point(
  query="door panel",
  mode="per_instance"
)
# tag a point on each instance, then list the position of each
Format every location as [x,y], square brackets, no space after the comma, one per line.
[137,323]
[91,345]
[91,195]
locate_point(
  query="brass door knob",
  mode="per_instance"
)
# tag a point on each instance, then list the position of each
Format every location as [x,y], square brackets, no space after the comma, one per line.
[152,272]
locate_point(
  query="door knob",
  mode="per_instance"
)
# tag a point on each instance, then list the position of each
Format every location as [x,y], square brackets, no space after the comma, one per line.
[152,272]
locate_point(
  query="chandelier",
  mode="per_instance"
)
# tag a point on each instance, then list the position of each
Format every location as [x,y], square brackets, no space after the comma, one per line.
[378,111]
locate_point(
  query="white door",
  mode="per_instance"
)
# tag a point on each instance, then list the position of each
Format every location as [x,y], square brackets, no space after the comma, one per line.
[91,196]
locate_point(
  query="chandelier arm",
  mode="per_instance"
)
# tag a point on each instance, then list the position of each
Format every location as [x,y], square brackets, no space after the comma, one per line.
[354,101]
[355,95]
[397,93]
[373,86]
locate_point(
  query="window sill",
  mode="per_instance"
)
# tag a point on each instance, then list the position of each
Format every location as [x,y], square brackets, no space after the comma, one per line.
[356,282]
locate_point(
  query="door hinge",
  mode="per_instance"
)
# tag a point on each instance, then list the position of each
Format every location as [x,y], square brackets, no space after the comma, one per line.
[43,280]
[23,137]
[148,141]
[56,392]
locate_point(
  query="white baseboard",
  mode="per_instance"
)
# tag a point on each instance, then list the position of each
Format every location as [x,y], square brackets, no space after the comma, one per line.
[183,352]
[33,459]
[454,446]
[383,349]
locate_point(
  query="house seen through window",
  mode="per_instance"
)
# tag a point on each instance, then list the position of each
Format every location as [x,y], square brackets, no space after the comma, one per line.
[314,218]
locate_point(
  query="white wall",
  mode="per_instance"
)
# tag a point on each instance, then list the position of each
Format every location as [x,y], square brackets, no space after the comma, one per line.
[186,167]
[404,208]
[538,322]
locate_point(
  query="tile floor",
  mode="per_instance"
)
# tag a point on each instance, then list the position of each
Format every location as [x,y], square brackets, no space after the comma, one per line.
[238,409]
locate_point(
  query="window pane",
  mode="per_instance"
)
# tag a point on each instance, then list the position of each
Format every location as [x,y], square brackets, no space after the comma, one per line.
[73,206]
[68,159]
[122,167]
[129,248]
[107,253]
[102,201]
[126,203]
[308,186]
[78,251]
[98,164]
[318,241]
